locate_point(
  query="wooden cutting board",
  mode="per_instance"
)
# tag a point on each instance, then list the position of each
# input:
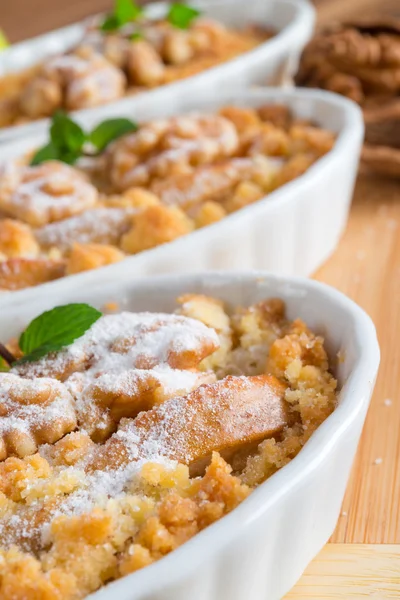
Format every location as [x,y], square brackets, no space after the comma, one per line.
[363,559]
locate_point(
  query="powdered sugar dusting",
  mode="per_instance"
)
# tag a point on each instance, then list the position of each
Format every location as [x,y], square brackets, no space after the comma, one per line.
[191,139]
[99,225]
[219,416]
[123,341]
[47,192]
[26,406]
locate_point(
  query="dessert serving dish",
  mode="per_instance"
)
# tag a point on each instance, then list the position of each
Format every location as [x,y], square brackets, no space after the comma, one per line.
[101,61]
[272,170]
[188,450]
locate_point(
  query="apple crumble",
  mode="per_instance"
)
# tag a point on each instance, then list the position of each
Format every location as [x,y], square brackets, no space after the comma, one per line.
[148,187]
[121,446]
[110,63]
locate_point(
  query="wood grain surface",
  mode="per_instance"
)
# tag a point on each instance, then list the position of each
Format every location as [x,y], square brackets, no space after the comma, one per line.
[364,559]
[351,572]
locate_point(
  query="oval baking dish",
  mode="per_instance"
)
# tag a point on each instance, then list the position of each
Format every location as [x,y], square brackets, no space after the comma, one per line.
[262,547]
[269,63]
[292,230]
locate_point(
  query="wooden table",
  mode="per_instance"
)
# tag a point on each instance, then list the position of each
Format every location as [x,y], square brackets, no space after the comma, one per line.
[363,560]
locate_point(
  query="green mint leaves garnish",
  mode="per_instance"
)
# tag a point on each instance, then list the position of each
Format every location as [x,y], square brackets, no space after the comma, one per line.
[124,12]
[110,130]
[51,331]
[181,15]
[48,152]
[68,141]
[67,137]
[56,328]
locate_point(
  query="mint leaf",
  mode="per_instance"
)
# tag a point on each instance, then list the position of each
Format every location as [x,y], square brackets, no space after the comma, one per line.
[127,10]
[124,12]
[67,138]
[66,141]
[38,353]
[66,135]
[110,23]
[110,130]
[181,15]
[55,329]
[48,152]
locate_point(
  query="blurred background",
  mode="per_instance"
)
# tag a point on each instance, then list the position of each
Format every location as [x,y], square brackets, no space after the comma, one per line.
[21,19]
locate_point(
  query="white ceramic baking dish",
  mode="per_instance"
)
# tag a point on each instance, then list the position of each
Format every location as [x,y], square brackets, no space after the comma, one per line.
[261,548]
[291,231]
[270,63]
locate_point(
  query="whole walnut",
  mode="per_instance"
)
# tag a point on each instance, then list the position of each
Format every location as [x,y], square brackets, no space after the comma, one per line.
[362,62]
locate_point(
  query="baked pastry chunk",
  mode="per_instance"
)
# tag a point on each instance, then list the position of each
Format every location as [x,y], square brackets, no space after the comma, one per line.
[17,240]
[32,412]
[154,226]
[85,257]
[169,144]
[98,226]
[150,427]
[41,194]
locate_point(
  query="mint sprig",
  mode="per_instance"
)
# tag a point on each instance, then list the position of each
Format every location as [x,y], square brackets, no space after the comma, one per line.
[181,15]
[68,142]
[56,328]
[124,12]
[110,130]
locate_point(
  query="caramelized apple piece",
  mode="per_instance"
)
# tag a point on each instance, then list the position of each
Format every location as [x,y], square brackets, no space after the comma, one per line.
[226,416]
[95,226]
[209,182]
[103,403]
